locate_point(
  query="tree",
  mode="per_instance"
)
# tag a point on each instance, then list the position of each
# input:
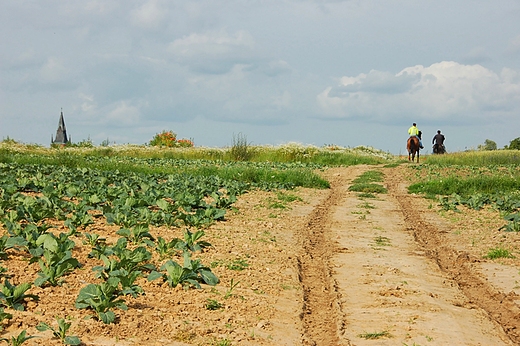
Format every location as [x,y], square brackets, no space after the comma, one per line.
[514,144]
[488,145]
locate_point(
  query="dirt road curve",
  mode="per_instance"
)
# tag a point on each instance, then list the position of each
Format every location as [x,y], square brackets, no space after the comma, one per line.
[384,271]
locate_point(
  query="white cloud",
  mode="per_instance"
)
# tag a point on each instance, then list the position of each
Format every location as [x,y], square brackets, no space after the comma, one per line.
[101,7]
[150,15]
[211,44]
[123,115]
[53,70]
[88,104]
[443,90]
[213,52]
[275,68]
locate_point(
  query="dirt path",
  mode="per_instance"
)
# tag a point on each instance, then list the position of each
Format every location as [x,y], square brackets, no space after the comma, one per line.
[381,272]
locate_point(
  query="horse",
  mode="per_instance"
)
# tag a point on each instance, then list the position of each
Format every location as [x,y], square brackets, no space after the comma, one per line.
[439,149]
[413,148]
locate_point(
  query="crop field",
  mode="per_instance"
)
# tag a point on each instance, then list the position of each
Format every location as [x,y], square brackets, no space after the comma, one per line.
[137,246]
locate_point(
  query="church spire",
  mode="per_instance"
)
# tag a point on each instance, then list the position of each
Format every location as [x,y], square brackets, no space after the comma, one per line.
[61,133]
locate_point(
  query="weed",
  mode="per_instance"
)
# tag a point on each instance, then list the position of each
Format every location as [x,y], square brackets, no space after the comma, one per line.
[232,286]
[369,177]
[382,241]
[367,188]
[366,205]
[236,264]
[241,149]
[498,253]
[287,197]
[375,335]
[366,195]
[223,342]
[277,205]
[213,304]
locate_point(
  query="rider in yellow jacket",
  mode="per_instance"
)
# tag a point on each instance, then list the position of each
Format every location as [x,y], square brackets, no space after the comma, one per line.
[414,132]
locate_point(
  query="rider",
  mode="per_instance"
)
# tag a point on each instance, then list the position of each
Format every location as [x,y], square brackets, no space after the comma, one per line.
[438,140]
[414,132]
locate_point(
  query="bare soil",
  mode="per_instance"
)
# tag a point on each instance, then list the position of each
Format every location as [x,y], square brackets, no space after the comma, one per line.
[330,268]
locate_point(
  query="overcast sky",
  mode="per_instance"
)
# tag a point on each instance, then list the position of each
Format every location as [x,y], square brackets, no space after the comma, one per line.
[317,72]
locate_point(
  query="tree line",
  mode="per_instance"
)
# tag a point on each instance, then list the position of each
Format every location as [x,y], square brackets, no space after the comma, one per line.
[492,145]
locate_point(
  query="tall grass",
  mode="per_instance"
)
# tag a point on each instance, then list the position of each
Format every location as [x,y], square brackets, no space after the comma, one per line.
[467,186]
[477,158]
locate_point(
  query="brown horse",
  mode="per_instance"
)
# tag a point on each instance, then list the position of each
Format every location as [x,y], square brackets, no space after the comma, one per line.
[413,148]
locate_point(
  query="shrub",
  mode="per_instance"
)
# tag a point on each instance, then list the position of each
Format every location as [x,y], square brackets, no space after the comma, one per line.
[169,139]
[488,145]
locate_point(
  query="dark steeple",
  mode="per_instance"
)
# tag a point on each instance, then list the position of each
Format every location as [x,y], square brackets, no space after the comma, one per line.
[61,133]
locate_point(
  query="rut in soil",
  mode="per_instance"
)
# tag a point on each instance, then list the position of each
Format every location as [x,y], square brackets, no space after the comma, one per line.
[320,309]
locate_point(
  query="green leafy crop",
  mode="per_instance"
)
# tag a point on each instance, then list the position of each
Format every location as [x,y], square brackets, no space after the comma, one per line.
[102,298]
[14,296]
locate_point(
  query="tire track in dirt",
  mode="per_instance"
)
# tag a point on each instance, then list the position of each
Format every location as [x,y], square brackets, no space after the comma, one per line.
[457,265]
[320,306]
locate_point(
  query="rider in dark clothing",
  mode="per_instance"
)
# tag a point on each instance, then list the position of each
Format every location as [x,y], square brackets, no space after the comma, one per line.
[438,139]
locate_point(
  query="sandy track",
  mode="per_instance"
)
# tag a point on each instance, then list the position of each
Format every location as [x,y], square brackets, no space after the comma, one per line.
[383,268]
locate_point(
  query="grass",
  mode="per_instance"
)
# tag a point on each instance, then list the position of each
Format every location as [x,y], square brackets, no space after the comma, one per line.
[368,188]
[366,195]
[466,186]
[477,158]
[382,241]
[237,264]
[369,177]
[498,253]
[366,205]
[366,183]
[282,200]
[375,335]
[213,304]
[240,150]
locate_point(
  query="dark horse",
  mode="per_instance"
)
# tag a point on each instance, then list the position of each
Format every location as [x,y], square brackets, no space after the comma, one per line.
[439,149]
[413,147]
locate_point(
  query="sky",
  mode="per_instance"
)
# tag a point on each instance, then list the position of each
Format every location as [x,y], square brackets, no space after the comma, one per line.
[315,72]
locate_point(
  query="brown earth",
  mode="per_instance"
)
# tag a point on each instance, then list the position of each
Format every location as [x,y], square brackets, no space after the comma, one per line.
[330,268]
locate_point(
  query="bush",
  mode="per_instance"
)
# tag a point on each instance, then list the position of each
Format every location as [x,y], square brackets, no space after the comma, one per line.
[169,139]
[488,145]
